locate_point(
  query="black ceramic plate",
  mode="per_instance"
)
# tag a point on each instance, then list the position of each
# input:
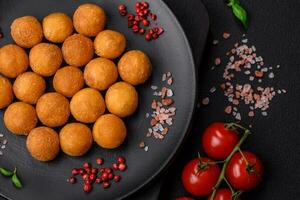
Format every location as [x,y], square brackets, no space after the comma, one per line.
[169,53]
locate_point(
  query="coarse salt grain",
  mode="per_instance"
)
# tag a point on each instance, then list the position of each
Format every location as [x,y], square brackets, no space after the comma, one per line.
[146,148]
[238,116]
[142,144]
[226,35]
[217,61]
[164,77]
[228,109]
[170,81]
[153,87]
[205,101]
[212,90]
[244,40]
[170,93]
[215,42]
[264,113]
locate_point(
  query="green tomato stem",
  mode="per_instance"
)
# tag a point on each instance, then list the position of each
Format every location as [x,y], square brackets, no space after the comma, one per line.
[230,187]
[236,149]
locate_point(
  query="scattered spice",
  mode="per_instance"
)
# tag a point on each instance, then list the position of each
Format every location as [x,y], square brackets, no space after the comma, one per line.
[259,74]
[243,58]
[226,35]
[162,111]
[142,145]
[228,109]
[205,101]
[217,61]
[91,175]
[3,143]
[140,20]
[215,42]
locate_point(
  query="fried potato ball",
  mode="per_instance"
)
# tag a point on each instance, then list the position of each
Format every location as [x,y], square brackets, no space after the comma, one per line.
[26,31]
[100,73]
[57,27]
[87,105]
[78,50]
[6,92]
[89,19]
[75,139]
[43,144]
[135,67]
[13,60]
[45,59]
[20,118]
[121,99]
[68,80]
[110,44]
[109,131]
[29,87]
[53,109]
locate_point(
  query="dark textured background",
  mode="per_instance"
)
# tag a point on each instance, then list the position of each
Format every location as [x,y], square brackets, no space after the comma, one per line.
[274,29]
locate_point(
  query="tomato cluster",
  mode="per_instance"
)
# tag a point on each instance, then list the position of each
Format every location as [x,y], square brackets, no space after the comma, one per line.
[241,170]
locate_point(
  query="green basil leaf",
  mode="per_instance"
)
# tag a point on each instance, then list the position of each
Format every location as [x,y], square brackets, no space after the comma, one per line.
[232,2]
[16,181]
[6,172]
[240,13]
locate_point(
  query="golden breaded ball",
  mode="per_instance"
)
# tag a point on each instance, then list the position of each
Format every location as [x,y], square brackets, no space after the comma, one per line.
[6,92]
[20,118]
[100,73]
[26,31]
[78,50]
[57,27]
[87,105]
[43,144]
[68,81]
[121,99]
[109,131]
[13,60]
[110,44]
[29,87]
[53,109]
[45,59]
[135,67]
[75,139]
[89,19]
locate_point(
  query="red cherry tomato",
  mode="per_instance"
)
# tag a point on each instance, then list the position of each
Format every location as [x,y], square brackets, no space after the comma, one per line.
[218,142]
[242,176]
[223,194]
[199,176]
[184,198]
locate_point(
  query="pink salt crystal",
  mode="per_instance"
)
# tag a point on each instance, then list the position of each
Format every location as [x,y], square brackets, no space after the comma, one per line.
[251,114]
[228,109]
[154,104]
